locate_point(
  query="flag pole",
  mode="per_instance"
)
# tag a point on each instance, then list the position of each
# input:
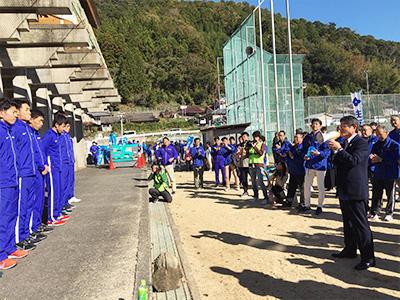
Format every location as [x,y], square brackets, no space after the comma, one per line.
[262,68]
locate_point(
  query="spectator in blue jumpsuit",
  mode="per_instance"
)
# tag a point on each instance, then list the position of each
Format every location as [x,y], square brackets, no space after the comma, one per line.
[52,151]
[68,170]
[227,151]
[385,155]
[166,157]
[8,187]
[38,224]
[281,146]
[198,155]
[24,145]
[94,150]
[367,134]
[395,136]
[218,161]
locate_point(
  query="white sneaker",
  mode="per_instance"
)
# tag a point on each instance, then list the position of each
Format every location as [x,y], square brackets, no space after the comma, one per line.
[388,218]
[74,200]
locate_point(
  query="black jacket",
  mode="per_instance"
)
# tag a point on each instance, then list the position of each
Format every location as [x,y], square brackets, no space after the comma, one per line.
[352,170]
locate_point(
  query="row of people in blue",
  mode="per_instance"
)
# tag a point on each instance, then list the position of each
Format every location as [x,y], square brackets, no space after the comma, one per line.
[303,164]
[30,165]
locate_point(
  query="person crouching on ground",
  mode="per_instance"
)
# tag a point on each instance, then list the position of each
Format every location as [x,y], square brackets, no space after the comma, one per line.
[277,183]
[198,154]
[161,184]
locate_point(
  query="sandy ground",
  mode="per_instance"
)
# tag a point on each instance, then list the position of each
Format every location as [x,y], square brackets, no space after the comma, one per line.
[241,251]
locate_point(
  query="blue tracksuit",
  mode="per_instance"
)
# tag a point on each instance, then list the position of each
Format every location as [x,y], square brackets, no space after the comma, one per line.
[41,162]
[285,146]
[389,151]
[227,154]
[67,170]
[8,191]
[319,162]
[219,163]
[52,152]
[395,135]
[198,154]
[24,145]
[295,165]
[371,141]
[164,154]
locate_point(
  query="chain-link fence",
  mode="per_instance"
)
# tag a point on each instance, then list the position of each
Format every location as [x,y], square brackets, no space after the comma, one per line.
[376,108]
[244,84]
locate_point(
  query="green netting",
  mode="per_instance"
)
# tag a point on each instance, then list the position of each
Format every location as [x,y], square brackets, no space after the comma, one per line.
[243,84]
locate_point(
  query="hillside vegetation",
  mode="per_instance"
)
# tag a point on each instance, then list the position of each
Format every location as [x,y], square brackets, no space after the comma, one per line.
[165,51]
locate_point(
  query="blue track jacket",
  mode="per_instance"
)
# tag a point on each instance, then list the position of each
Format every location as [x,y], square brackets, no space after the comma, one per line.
[8,162]
[24,148]
[389,151]
[198,154]
[319,162]
[52,149]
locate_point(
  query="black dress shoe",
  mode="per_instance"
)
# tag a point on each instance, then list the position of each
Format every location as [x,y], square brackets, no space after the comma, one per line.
[344,255]
[365,265]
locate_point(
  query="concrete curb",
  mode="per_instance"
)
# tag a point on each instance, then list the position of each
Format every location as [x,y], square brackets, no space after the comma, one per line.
[194,291]
[143,265]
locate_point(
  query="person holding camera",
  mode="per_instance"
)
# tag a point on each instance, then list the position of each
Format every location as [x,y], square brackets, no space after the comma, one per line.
[161,184]
[243,162]
[257,151]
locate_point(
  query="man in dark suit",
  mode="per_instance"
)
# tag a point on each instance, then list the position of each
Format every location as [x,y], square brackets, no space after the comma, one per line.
[351,160]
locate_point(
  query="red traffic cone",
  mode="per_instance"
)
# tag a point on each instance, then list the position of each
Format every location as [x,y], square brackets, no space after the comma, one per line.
[111,164]
[140,161]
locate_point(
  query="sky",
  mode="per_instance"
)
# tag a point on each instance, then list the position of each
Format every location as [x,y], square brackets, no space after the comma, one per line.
[379,18]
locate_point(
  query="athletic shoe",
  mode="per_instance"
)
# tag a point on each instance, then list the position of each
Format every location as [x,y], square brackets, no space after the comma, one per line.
[74,200]
[64,218]
[18,254]
[45,228]
[7,264]
[245,194]
[238,188]
[318,211]
[373,217]
[38,235]
[227,189]
[55,223]
[304,209]
[388,218]
[26,245]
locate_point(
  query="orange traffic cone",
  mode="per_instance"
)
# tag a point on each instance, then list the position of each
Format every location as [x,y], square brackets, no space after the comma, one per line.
[111,165]
[140,161]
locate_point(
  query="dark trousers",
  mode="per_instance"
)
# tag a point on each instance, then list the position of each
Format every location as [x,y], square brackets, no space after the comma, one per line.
[155,194]
[377,193]
[244,174]
[198,173]
[357,233]
[296,182]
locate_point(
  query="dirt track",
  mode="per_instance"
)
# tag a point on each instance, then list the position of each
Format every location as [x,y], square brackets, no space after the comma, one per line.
[241,251]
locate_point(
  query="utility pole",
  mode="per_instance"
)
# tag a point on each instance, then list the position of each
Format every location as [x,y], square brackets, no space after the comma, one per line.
[122,125]
[291,68]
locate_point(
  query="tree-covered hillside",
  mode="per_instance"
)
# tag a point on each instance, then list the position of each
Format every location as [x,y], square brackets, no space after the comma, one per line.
[165,51]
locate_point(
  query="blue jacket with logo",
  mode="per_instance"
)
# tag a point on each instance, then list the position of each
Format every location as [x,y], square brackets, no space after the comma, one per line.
[164,154]
[318,162]
[389,151]
[40,158]
[52,149]
[198,154]
[8,162]
[216,153]
[227,153]
[395,135]
[295,165]
[24,148]
[67,152]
